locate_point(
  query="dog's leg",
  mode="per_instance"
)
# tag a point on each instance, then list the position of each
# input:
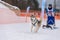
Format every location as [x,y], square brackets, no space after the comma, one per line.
[37,28]
[31,28]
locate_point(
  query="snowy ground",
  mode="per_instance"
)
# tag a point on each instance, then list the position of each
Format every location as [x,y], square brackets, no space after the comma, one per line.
[21,31]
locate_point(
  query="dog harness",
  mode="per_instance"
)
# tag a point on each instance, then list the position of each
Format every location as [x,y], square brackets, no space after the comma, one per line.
[33,20]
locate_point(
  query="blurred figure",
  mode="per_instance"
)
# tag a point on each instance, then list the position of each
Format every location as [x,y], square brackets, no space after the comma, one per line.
[36,24]
[50,11]
[28,9]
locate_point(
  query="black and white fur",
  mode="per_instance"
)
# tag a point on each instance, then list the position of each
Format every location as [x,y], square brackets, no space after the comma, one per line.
[35,23]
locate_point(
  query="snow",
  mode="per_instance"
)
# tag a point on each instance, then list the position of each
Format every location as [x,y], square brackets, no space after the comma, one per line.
[21,31]
[3,6]
[9,16]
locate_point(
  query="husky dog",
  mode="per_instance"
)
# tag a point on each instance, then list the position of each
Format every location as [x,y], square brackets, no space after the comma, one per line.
[35,23]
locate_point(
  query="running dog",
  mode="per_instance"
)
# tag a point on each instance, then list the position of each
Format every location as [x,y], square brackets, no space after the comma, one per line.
[35,23]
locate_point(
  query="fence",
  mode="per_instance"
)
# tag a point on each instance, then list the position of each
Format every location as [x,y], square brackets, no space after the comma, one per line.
[37,13]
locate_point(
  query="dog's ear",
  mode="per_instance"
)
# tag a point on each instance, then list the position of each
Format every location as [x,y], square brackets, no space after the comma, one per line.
[32,14]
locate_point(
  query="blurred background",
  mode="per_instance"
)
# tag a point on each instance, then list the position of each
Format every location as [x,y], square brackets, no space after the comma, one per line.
[35,4]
